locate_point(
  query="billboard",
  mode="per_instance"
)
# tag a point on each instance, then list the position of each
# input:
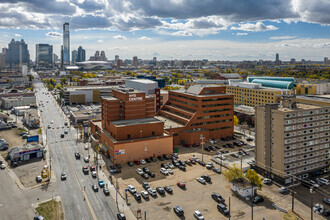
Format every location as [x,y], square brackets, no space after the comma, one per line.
[34,138]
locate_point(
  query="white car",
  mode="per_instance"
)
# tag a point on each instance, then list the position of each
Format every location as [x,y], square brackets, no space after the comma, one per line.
[86,147]
[52,122]
[143,162]
[198,215]
[314,184]
[201,180]
[170,165]
[94,174]
[139,171]
[145,194]
[267,181]
[163,171]
[211,141]
[170,171]
[132,189]
[152,192]
[86,159]
[3,166]
[283,190]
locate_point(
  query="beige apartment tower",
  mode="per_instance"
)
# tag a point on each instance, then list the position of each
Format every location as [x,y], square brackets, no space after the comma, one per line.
[292,140]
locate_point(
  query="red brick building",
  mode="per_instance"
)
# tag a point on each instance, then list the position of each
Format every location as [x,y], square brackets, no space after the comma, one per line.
[199,110]
[128,130]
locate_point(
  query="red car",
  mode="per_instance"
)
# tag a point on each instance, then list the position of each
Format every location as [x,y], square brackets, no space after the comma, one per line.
[181,185]
[137,162]
[92,168]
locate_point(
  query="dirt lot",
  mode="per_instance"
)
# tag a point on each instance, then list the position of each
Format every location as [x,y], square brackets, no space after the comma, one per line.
[196,197]
[13,139]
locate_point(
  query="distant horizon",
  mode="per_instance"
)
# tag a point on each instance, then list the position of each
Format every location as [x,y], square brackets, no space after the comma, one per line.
[184,29]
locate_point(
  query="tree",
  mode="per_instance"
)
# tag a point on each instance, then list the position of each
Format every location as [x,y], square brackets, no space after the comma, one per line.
[236,121]
[233,173]
[253,177]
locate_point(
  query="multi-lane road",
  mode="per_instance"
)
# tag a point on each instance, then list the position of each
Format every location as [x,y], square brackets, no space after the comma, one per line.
[78,198]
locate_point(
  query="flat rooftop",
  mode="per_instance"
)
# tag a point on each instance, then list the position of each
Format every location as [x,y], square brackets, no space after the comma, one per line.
[135,122]
[300,107]
[319,98]
[168,123]
[88,88]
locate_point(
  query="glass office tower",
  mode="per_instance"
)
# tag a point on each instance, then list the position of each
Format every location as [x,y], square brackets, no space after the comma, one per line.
[66,44]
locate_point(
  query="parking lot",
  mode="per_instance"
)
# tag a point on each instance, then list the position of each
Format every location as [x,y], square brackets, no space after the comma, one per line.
[197,196]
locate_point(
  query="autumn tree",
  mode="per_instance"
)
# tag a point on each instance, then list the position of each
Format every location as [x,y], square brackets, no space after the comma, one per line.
[236,121]
[233,173]
[254,178]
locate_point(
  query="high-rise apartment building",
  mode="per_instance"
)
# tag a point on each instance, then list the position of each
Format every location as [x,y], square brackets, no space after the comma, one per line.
[277,59]
[17,54]
[66,44]
[292,140]
[98,57]
[81,57]
[3,58]
[326,60]
[135,61]
[44,56]
[74,56]
[116,58]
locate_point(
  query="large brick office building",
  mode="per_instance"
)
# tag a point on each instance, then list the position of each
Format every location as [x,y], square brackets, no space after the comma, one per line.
[128,130]
[199,110]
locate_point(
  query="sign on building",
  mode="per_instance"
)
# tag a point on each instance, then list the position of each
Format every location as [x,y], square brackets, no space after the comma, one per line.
[33,139]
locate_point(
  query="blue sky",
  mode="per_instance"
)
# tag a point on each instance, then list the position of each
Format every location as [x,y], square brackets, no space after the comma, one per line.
[174,29]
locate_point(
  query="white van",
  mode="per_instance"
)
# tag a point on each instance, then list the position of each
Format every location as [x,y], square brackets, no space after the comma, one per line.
[322,181]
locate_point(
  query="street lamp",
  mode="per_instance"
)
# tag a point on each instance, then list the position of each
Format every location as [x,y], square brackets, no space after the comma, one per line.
[311,192]
[202,138]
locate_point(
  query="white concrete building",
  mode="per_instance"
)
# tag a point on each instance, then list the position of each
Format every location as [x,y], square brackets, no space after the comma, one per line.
[145,85]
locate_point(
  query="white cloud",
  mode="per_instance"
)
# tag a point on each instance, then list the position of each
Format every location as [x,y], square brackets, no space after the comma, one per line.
[17,35]
[182,33]
[119,37]
[100,41]
[241,34]
[259,26]
[53,34]
[144,38]
[282,38]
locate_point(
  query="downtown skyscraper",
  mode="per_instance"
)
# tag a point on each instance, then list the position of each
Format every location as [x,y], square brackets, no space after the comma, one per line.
[66,45]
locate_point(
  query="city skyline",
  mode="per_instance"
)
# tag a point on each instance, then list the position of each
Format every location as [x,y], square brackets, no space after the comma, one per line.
[235,31]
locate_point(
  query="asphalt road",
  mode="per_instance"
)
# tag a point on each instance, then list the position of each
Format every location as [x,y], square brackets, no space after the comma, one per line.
[78,198]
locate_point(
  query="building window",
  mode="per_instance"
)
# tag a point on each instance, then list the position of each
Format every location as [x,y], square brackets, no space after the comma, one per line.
[153,133]
[128,136]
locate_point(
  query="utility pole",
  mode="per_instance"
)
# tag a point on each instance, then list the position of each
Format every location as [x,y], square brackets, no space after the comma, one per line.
[252,204]
[117,192]
[229,208]
[145,215]
[202,138]
[221,164]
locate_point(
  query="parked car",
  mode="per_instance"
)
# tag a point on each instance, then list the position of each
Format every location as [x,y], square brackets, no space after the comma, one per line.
[130,164]
[145,185]
[209,165]
[182,185]
[145,176]
[145,194]
[25,136]
[38,178]
[92,168]
[201,163]
[217,197]
[139,171]
[94,174]
[164,165]
[131,189]
[137,162]
[170,165]
[152,192]
[151,174]
[86,147]
[223,209]
[258,199]
[143,162]
[182,168]
[217,170]
[166,157]
[63,176]
[198,215]
[148,160]
[137,197]
[206,178]
[164,171]
[153,159]
[145,169]
[160,190]
[178,210]
[23,133]
[283,190]
[160,158]
[86,159]
[168,189]
[267,181]
[170,171]
[326,201]
[322,181]
[201,180]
